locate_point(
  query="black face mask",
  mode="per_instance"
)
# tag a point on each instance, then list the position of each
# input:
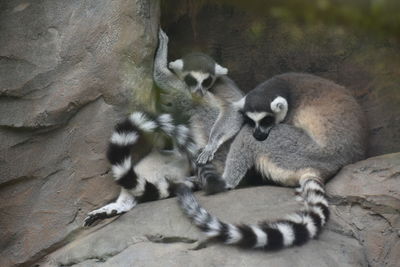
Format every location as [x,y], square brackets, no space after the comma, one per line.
[267,123]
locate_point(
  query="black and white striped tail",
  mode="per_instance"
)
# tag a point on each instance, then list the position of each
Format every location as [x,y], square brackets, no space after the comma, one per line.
[125,137]
[295,229]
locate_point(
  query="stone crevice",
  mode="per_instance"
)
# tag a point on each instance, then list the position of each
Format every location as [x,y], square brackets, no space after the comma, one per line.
[99,258]
[366,202]
[153,238]
[159,238]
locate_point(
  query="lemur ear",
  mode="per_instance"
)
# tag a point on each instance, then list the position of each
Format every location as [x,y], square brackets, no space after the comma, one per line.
[280,107]
[219,70]
[240,103]
[279,104]
[176,65]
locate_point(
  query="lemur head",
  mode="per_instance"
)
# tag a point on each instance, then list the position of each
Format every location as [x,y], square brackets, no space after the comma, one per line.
[198,71]
[264,107]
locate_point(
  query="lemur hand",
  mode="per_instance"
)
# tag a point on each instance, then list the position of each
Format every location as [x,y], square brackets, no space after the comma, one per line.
[206,155]
[162,36]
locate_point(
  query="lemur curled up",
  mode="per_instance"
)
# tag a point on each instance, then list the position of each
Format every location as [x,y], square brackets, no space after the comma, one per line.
[299,130]
[200,89]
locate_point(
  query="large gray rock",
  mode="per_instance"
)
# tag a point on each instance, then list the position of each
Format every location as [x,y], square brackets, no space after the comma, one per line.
[366,205]
[68,71]
[363,230]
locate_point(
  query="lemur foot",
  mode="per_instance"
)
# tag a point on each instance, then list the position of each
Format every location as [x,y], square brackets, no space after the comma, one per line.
[108,211]
[193,182]
[206,155]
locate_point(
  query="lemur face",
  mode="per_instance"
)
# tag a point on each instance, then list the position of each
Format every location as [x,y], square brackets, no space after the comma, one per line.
[199,82]
[262,123]
[198,71]
[262,116]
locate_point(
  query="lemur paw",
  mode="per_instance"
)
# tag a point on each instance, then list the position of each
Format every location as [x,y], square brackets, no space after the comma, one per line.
[214,185]
[162,36]
[205,156]
[193,182]
[92,218]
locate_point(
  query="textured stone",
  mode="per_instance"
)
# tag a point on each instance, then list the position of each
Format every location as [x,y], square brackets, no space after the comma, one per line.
[366,198]
[68,71]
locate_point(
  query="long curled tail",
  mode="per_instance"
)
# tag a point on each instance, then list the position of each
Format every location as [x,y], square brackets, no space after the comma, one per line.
[126,136]
[295,229]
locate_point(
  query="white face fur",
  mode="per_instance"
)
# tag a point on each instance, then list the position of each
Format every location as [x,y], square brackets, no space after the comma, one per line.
[258,116]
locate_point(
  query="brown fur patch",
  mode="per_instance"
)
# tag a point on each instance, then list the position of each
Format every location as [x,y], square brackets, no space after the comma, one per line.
[309,119]
[281,175]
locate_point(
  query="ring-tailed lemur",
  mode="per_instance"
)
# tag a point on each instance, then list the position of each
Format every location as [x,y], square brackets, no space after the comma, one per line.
[200,90]
[300,130]
[212,93]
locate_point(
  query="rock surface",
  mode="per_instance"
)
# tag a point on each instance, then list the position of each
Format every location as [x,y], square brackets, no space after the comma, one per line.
[363,231]
[366,205]
[68,71]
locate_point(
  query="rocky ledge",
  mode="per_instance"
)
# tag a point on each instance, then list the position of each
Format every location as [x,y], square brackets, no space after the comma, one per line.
[364,229]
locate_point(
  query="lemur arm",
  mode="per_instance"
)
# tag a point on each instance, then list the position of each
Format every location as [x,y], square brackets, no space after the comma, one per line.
[162,76]
[228,124]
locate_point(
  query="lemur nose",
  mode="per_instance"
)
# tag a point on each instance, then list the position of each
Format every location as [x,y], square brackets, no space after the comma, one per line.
[258,135]
[199,91]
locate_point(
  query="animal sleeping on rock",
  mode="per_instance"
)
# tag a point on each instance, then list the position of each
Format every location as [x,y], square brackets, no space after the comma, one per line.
[197,87]
[297,130]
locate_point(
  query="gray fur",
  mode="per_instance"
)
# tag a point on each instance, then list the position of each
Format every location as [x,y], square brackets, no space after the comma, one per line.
[198,62]
[211,115]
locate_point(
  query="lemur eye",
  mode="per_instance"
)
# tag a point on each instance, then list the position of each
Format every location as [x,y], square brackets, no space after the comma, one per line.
[267,120]
[249,121]
[190,81]
[207,82]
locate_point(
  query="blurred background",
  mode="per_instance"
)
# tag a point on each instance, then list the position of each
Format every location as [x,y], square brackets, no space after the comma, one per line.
[355,43]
